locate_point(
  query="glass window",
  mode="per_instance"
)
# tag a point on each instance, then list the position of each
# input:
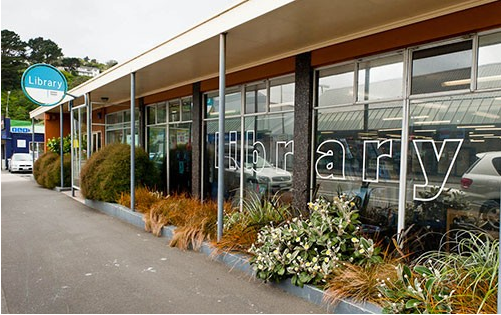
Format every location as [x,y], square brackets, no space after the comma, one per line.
[151,114]
[442,68]
[156,140]
[282,94]
[161,113]
[233,104]
[335,86]
[357,152]
[489,61]
[380,78]
[452,182]
[180,157]
[255,98]
[232,174]
[187,107]
[174,111]
[268,154]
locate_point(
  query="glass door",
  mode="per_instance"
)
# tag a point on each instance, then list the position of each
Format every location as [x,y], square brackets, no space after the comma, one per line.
[78,143]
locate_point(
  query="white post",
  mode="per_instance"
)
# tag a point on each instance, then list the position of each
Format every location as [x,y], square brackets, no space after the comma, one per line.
[222,106]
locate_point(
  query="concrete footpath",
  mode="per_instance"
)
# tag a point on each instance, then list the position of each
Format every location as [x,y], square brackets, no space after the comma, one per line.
[60,256]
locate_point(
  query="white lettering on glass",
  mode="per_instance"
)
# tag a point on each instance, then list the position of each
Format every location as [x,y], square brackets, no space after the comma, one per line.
[377,145]
[438,155]
[252,158]
[285,145]
[327,156]
[232,150]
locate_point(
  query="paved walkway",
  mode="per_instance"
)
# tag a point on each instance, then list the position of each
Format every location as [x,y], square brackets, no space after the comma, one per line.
[59,256]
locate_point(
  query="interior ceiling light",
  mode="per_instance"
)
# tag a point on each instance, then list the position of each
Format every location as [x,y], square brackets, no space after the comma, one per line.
[467,81]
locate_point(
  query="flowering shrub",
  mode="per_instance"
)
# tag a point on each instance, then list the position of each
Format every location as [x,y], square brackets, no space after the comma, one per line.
[307,249]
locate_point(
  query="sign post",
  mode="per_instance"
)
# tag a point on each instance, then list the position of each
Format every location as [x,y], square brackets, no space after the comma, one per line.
[44,84]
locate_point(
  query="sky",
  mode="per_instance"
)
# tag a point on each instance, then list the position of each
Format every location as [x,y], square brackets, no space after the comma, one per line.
[106,29]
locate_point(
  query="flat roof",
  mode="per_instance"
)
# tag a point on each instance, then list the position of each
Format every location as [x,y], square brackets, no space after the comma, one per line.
[259,31]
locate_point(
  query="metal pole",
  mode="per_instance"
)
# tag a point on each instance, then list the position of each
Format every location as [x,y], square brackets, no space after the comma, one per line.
[89,124]
[132,139]
[61,144]
[70,109]
[33,139]
[222,106]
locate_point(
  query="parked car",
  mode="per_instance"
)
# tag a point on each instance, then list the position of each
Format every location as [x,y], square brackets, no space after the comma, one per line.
[267,178]
[21,162]
[482,181]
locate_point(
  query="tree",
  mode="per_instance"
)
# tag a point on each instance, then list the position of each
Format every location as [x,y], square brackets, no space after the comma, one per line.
[70,63]
[44,51]
[13,60]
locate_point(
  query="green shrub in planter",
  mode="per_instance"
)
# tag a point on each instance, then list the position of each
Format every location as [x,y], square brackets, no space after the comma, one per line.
[308,249]
[47,170]
[107,173]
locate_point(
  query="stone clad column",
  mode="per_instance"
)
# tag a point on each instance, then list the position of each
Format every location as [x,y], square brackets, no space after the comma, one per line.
[196,145]
[303,112]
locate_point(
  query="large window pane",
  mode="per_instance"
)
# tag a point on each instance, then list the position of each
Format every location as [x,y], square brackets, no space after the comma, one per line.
[282,94]
[443,68]
[452,178]
[380,78]
[233,104]
[357,152]
[489,61]
[156,139]
[174,111]
[335,86]
[161,113]
[255,98]
[268,154]
[151,114]
[232,179]
[187,107]
[180,158]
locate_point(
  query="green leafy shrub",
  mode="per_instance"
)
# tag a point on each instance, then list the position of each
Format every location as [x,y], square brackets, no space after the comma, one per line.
[47,170]
[462,281]
[107,173]
[309,249]
[53,145]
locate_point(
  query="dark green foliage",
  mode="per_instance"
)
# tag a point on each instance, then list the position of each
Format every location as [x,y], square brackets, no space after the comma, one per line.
[107,173]
[47,170]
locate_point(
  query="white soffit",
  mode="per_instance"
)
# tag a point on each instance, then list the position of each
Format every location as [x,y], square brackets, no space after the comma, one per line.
[260,31]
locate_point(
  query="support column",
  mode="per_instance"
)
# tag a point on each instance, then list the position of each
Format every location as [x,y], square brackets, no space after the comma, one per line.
[142,123]
[196,144]
[222,108]
[132,139]
[32,140]
[88,105]
[303,99]
[61,142]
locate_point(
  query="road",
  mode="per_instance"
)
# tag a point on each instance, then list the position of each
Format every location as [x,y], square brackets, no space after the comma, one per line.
[59,256]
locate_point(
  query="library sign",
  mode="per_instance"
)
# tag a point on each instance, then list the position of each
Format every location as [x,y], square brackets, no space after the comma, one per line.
[44,84]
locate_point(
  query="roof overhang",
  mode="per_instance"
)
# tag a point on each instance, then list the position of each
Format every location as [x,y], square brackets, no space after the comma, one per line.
[259,31]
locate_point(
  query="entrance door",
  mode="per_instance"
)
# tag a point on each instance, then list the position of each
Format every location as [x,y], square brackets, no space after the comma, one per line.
[78,143]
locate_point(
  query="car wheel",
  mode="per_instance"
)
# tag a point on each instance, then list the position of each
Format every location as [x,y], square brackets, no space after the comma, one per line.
[489,213]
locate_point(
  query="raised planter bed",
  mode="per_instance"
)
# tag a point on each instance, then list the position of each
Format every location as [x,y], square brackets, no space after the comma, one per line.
[241,262]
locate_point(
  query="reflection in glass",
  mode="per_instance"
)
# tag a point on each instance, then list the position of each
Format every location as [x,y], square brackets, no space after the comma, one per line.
[150,114]
[282,94]
[156,140]
[187,106]
[380,78]
[357,152]
[489,62]
[442,68]
[180,158]
[452,179]
[335,85]
[268,154]
[255,98]
[231,181]
[161,113]
[233,104]
[174,111]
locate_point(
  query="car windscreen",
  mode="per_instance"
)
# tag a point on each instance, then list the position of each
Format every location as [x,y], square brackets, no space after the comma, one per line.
[21,157]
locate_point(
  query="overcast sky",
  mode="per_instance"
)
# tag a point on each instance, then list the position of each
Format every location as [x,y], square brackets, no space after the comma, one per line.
[106,29]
